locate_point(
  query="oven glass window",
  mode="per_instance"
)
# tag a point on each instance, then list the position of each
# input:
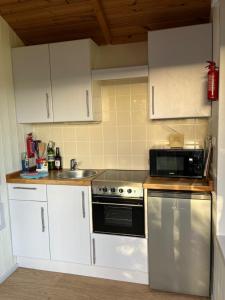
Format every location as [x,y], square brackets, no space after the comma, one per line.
[117,219]
[170,163]
[117,216]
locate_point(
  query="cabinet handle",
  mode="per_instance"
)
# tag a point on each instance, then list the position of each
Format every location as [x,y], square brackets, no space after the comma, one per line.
[153,100]
[94,254]
[83,204]
[117,204]
[24,188]
[42,219]
[47,105]
[87,103]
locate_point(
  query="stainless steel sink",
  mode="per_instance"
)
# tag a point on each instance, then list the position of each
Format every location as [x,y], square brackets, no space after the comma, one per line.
[76,174]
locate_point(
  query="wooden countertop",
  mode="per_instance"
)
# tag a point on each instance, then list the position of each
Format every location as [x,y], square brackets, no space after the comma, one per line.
[50,179]
[179,184]
[152,183]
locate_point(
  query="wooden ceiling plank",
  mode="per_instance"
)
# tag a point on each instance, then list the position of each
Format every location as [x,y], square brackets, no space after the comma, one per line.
[152,4]
[97,6]
[56,28]
[161,7]
[51,21]
[34,5]
[59,11]
[147,19]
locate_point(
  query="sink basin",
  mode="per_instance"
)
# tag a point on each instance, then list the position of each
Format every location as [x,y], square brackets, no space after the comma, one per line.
[76,174]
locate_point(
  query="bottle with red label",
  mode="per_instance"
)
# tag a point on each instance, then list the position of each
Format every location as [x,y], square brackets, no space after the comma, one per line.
[51,155]
[213,81]
[58,160]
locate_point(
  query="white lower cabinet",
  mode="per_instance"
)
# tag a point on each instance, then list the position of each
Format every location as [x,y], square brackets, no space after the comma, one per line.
[29,225]
[121,252]
[52,223]
[69,223]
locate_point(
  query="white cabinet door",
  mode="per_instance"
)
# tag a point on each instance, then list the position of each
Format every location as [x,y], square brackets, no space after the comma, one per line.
[177,74]
[31,71]
[69,223]
[29,225]
[121,252]
[71,80]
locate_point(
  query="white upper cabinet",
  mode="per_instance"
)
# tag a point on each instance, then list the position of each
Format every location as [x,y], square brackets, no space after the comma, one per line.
[177,75]
[32,84]
[53,83]
[71,64]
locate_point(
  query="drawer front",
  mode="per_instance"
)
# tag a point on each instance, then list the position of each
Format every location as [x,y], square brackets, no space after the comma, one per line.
[32,192]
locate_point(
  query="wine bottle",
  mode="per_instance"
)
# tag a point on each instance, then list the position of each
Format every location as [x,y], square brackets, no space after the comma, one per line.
[51,155]
[58,160]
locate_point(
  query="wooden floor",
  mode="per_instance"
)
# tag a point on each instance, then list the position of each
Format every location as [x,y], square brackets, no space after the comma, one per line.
[27,284]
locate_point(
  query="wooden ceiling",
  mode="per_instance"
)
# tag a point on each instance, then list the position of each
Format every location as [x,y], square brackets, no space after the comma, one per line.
[105,21]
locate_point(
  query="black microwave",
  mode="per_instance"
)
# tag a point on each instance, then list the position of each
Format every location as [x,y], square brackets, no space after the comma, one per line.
[188,163]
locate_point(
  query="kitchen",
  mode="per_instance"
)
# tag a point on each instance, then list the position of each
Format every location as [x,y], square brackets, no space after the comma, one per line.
[120,141]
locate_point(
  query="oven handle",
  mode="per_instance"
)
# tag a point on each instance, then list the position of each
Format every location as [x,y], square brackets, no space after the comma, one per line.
[118,204]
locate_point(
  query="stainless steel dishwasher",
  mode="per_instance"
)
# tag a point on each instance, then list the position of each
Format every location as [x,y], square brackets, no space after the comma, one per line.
[179,228]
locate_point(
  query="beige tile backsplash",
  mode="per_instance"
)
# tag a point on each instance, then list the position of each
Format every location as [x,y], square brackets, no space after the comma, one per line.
[123,138]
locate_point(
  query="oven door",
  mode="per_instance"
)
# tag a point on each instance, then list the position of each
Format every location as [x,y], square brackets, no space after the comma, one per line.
[114,215]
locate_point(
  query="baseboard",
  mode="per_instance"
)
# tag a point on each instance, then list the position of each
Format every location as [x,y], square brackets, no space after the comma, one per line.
[84,270]
[5,275]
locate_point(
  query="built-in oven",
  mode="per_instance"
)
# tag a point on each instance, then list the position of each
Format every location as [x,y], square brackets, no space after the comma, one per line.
[118,203]
[118,215]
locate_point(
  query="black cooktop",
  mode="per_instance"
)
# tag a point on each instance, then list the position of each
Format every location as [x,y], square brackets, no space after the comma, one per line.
[134,176]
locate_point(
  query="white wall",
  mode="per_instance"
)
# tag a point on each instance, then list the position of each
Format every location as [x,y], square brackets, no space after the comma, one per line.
[11,137]
[112,56]
[219,274]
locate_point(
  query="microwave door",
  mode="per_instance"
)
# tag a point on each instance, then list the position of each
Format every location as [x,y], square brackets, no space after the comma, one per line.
[169,164]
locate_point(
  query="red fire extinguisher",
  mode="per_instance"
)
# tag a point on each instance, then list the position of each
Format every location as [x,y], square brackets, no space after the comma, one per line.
[213,81]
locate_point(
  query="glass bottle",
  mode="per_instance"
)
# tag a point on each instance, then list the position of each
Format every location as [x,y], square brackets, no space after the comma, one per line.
[51,155]
[58,159]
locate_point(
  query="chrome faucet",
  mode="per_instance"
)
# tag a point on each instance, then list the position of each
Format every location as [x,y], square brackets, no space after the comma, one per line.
[73,164]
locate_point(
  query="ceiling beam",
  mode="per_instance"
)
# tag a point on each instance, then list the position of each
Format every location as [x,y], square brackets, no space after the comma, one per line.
[97,6]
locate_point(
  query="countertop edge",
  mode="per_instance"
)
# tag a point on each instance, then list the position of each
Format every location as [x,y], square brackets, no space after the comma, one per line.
[193,185]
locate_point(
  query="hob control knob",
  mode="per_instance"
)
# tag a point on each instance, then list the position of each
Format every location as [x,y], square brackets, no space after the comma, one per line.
[113,190]
[129,191]
[104,189]
[121,190]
